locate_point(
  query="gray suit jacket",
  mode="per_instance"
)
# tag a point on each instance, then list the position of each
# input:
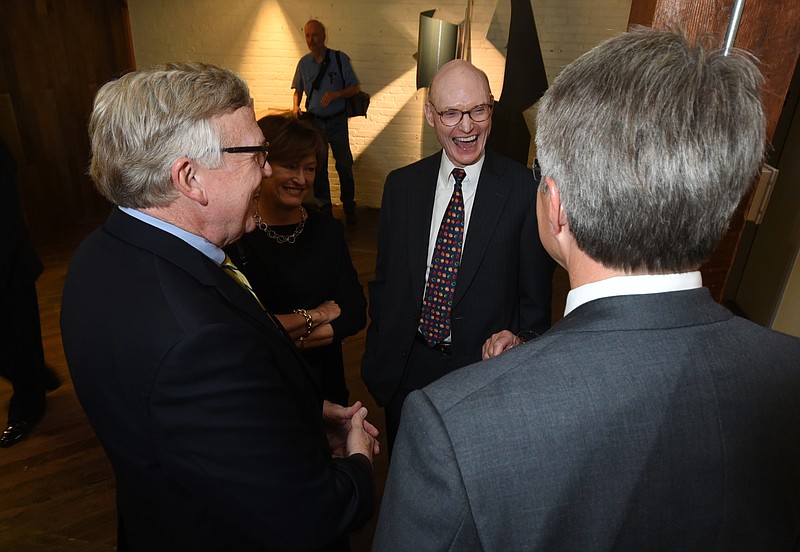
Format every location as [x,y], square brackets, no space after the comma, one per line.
[651,422]
[504,281]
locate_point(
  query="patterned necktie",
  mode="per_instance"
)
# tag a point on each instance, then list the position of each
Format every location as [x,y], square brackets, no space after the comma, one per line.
[435,319]
[232,271]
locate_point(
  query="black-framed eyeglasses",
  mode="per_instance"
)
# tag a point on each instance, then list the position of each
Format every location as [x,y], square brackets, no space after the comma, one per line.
[451,117]
[261,152]
[537,171]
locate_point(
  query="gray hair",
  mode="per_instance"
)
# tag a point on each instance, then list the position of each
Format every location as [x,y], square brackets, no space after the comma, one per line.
[145,120]
[652,143]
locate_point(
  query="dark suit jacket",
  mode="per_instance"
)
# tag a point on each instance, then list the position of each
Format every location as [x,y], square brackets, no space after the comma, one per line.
[651,422]
[205,409]
[504,281]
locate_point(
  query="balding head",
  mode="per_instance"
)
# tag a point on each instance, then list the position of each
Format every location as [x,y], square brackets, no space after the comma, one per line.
[459,87]
[460,74]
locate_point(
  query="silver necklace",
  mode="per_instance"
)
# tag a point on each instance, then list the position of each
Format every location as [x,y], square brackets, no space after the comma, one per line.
[280,238]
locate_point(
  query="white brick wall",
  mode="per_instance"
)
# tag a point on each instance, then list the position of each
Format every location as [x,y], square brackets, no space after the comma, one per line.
[263,41]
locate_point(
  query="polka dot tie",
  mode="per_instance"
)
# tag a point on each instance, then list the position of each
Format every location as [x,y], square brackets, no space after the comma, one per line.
[438,301]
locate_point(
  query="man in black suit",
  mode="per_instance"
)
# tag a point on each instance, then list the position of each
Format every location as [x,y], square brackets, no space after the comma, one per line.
[218,436]
[504,276]
[649,417]
[21,339]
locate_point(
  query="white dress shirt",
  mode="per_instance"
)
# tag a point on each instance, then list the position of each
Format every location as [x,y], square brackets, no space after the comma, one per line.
[444,191]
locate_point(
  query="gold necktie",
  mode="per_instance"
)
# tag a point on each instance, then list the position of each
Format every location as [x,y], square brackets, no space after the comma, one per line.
[232,271]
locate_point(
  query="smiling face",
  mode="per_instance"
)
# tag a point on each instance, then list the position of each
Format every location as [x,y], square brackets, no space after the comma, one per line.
[459,85]
[234,187]
[289,184]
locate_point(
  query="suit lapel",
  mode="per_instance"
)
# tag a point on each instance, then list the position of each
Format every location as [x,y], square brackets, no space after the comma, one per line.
[420,195]
[189,259]
[487,208]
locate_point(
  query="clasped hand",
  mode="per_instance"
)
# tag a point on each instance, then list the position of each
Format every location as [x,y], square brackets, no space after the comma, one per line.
[348,430]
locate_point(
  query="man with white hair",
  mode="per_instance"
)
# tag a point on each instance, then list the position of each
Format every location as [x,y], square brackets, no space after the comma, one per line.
[217,433]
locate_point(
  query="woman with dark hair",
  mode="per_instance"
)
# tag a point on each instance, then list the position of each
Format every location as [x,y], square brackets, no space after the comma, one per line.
[297,259]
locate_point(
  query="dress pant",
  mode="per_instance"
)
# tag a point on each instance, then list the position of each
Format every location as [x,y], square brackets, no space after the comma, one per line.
[22,354]
[335,132]
[425,365]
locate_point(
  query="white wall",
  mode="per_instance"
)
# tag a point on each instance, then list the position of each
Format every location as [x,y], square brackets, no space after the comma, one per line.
[263,39]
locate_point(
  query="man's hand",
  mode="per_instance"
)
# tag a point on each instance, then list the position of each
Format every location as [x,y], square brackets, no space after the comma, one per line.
[498,343]
[348,430]
[327,98]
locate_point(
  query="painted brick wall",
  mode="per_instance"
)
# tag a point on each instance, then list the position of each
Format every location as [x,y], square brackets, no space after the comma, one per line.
[263,41]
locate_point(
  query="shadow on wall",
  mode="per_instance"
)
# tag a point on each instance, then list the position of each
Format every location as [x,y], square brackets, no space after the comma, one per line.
[390,150]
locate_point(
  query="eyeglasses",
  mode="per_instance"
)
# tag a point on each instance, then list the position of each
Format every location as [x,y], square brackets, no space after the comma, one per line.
[261,152]
[537,172]
[451,117]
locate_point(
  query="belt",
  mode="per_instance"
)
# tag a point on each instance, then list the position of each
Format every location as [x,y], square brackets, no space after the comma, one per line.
[325,117]
[444,347]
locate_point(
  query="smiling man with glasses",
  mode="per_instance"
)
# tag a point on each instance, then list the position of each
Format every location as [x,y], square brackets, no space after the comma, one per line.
[459,257]
[649,418]
[209,415]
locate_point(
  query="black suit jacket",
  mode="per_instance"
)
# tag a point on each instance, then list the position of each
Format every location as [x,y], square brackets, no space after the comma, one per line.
[653,422]
[204,407]
[504,280]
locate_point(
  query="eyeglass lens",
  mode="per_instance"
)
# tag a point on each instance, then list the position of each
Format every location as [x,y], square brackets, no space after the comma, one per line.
[478,114]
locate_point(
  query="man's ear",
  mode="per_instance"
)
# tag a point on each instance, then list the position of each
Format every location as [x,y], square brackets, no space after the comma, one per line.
[430,114]
[185,179]
[555,211]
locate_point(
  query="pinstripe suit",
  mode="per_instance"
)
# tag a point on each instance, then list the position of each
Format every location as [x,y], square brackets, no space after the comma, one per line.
[504,280]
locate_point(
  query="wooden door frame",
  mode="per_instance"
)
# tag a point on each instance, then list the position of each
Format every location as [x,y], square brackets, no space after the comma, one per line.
[771,31]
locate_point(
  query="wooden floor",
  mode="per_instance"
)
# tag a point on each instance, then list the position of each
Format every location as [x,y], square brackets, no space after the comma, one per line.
[57,488]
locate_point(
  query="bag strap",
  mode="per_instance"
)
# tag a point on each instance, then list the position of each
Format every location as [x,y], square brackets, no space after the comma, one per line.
[318,79]
[341,73]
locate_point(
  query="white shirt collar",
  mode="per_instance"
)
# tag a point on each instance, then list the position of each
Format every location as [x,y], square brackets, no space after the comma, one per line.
[632,285]
[473,173]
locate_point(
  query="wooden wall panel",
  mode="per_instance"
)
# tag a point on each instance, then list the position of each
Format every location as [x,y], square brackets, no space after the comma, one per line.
[54,54]
[771,31]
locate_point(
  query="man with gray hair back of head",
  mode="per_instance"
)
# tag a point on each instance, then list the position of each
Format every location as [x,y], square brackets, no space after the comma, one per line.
[217,432]
[649,417]
[652,144]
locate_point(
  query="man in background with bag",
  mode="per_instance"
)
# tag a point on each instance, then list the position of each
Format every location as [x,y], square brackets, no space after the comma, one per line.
[327,78]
